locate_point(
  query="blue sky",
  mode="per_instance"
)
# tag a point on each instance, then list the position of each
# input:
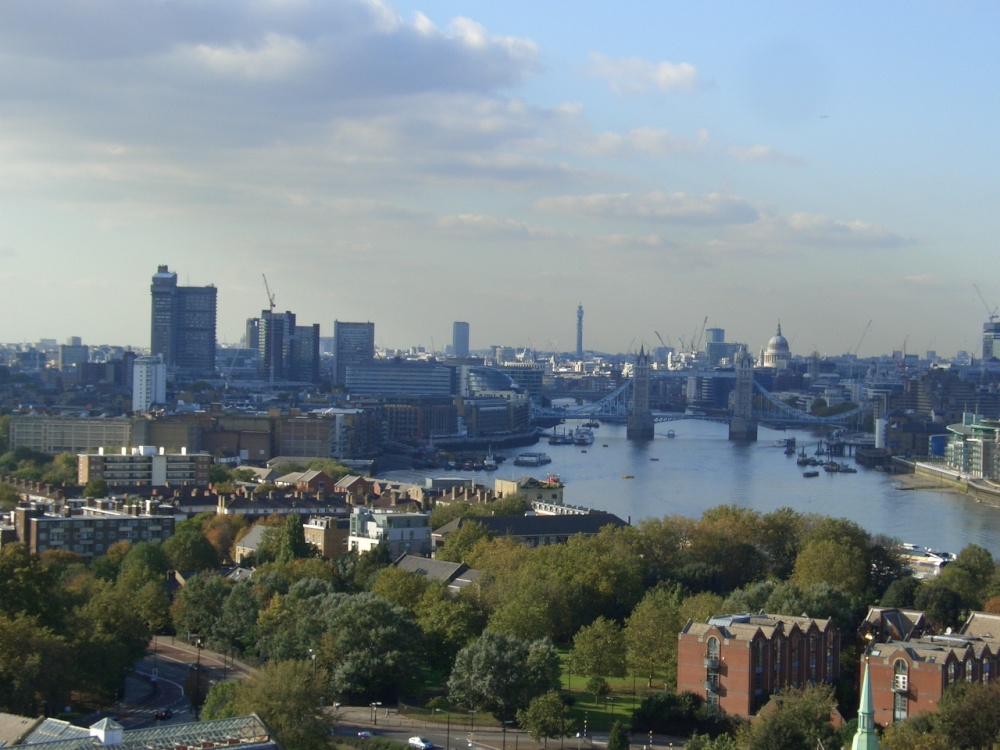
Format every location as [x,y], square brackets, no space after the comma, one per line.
[415,163]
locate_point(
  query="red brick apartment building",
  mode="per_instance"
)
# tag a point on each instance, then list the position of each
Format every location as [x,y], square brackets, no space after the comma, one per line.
[736,662]
[909,676]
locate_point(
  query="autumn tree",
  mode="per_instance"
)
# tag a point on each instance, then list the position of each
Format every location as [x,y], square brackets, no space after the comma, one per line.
[599,649]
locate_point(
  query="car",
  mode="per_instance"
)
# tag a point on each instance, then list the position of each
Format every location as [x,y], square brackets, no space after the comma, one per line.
[365,734]
[163,713]
[421,743]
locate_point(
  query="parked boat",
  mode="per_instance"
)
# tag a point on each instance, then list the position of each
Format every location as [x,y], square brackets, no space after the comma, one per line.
[628,476]
[583,436]
[490,463]
[531,459]
[592,424]
[671,434]
[810,474]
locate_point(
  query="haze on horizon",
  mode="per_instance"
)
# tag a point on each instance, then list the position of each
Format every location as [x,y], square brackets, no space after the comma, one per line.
[415,163]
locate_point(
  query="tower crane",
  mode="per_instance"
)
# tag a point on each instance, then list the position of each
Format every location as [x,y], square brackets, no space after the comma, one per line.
[991,313]
[270,330]
[701,334]
[862,339]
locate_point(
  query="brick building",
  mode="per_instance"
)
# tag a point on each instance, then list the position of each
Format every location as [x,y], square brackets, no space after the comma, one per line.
[908,677]
[736,662]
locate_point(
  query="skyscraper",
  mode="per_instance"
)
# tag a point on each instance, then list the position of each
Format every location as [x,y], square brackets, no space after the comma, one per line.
[579,332]
[353,343]
[460,338]
[183,323]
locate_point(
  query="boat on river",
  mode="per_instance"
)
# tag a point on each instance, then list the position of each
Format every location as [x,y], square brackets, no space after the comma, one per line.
[532,459]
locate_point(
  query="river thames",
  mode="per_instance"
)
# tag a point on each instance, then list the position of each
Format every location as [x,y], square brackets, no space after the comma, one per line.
[700,468]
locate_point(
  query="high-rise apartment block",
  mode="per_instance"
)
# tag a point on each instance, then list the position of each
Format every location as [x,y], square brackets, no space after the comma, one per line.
[460,338]
[149,383]
[183,323]
[353,344]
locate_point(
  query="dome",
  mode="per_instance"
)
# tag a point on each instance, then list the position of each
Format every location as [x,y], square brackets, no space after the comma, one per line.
[777,353]
[777,343]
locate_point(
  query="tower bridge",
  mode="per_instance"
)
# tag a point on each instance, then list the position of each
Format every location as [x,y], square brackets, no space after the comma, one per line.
[764,408]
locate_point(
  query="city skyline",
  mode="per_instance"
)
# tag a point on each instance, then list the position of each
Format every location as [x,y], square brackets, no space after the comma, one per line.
[416,163]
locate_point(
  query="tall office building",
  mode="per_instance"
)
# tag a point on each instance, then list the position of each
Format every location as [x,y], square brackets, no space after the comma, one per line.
[460,338]
[149,383]
[579,332]
[991,340]
[353,343]
[183,323]
[286,350]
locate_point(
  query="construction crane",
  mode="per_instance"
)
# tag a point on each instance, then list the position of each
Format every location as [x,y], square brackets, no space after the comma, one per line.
[991,313]
[862,339]
[270,330]
[701,334]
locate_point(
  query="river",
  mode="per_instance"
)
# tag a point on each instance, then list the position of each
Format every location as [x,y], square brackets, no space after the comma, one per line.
[700,468]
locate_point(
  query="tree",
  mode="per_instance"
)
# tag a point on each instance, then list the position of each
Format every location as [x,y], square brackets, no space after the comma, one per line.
[220,703]
[940,604]
[9,498]
[793,718]
[618,738]
[370,647]
[834,562]
[400,587]
[502,673]
[198,604]
[289,697]
[460,542]
[188,549]
[900,593]
[35,667]
[651,635]
[599,649]
[969,715]
[449,623]
[96,487]
[545,717]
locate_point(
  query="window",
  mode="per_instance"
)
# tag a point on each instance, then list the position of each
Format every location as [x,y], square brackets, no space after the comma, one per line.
[900,683]
[776,662]
[793,678]
[968,669]
[985,669]
[758,667]
[952,672]
[829,657]
[812,659]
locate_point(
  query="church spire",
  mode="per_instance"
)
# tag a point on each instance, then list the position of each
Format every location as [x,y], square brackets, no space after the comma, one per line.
[865,738]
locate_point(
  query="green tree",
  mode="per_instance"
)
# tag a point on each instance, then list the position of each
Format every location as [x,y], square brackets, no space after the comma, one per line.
[449,623]
[62,470]
[289,696]
[836,563]
[900,593]
[9,498]
[188,550]
[798,718]
[35,666]
[502,673]
[220,703]
[941,605]
[969,715]
[26,587]
[599,649]
[370,647]
[545,717]
[459,543]
[198,604]
[651,635]
[293,544]
[618,737]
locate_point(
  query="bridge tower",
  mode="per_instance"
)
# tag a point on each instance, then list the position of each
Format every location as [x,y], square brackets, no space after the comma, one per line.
[640,418]
[742,425]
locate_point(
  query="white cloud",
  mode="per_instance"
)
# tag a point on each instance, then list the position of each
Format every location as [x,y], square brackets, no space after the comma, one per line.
[670,208]
[647,140]
[493,226]
[633,75]
[765,155]
[275,58]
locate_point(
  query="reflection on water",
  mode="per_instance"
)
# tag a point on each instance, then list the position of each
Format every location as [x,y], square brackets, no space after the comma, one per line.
[700,468]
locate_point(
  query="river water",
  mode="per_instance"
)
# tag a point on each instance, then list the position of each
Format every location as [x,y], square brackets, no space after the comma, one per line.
[700,468]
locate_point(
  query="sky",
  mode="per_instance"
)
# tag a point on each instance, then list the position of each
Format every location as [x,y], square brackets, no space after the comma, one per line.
[417,162]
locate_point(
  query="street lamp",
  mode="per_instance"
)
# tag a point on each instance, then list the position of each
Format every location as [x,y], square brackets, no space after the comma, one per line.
[472,723]
[610,704]
[375,705]
[447,714]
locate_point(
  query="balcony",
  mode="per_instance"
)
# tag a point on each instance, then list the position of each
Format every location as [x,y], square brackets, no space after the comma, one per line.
[711,662]
[711,686]
[900,683]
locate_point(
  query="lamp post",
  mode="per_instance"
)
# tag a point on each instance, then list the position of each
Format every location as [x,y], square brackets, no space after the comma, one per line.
[197,675]
[447,715]
[375,705]
[610,704]
[472,721]
[650,739]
